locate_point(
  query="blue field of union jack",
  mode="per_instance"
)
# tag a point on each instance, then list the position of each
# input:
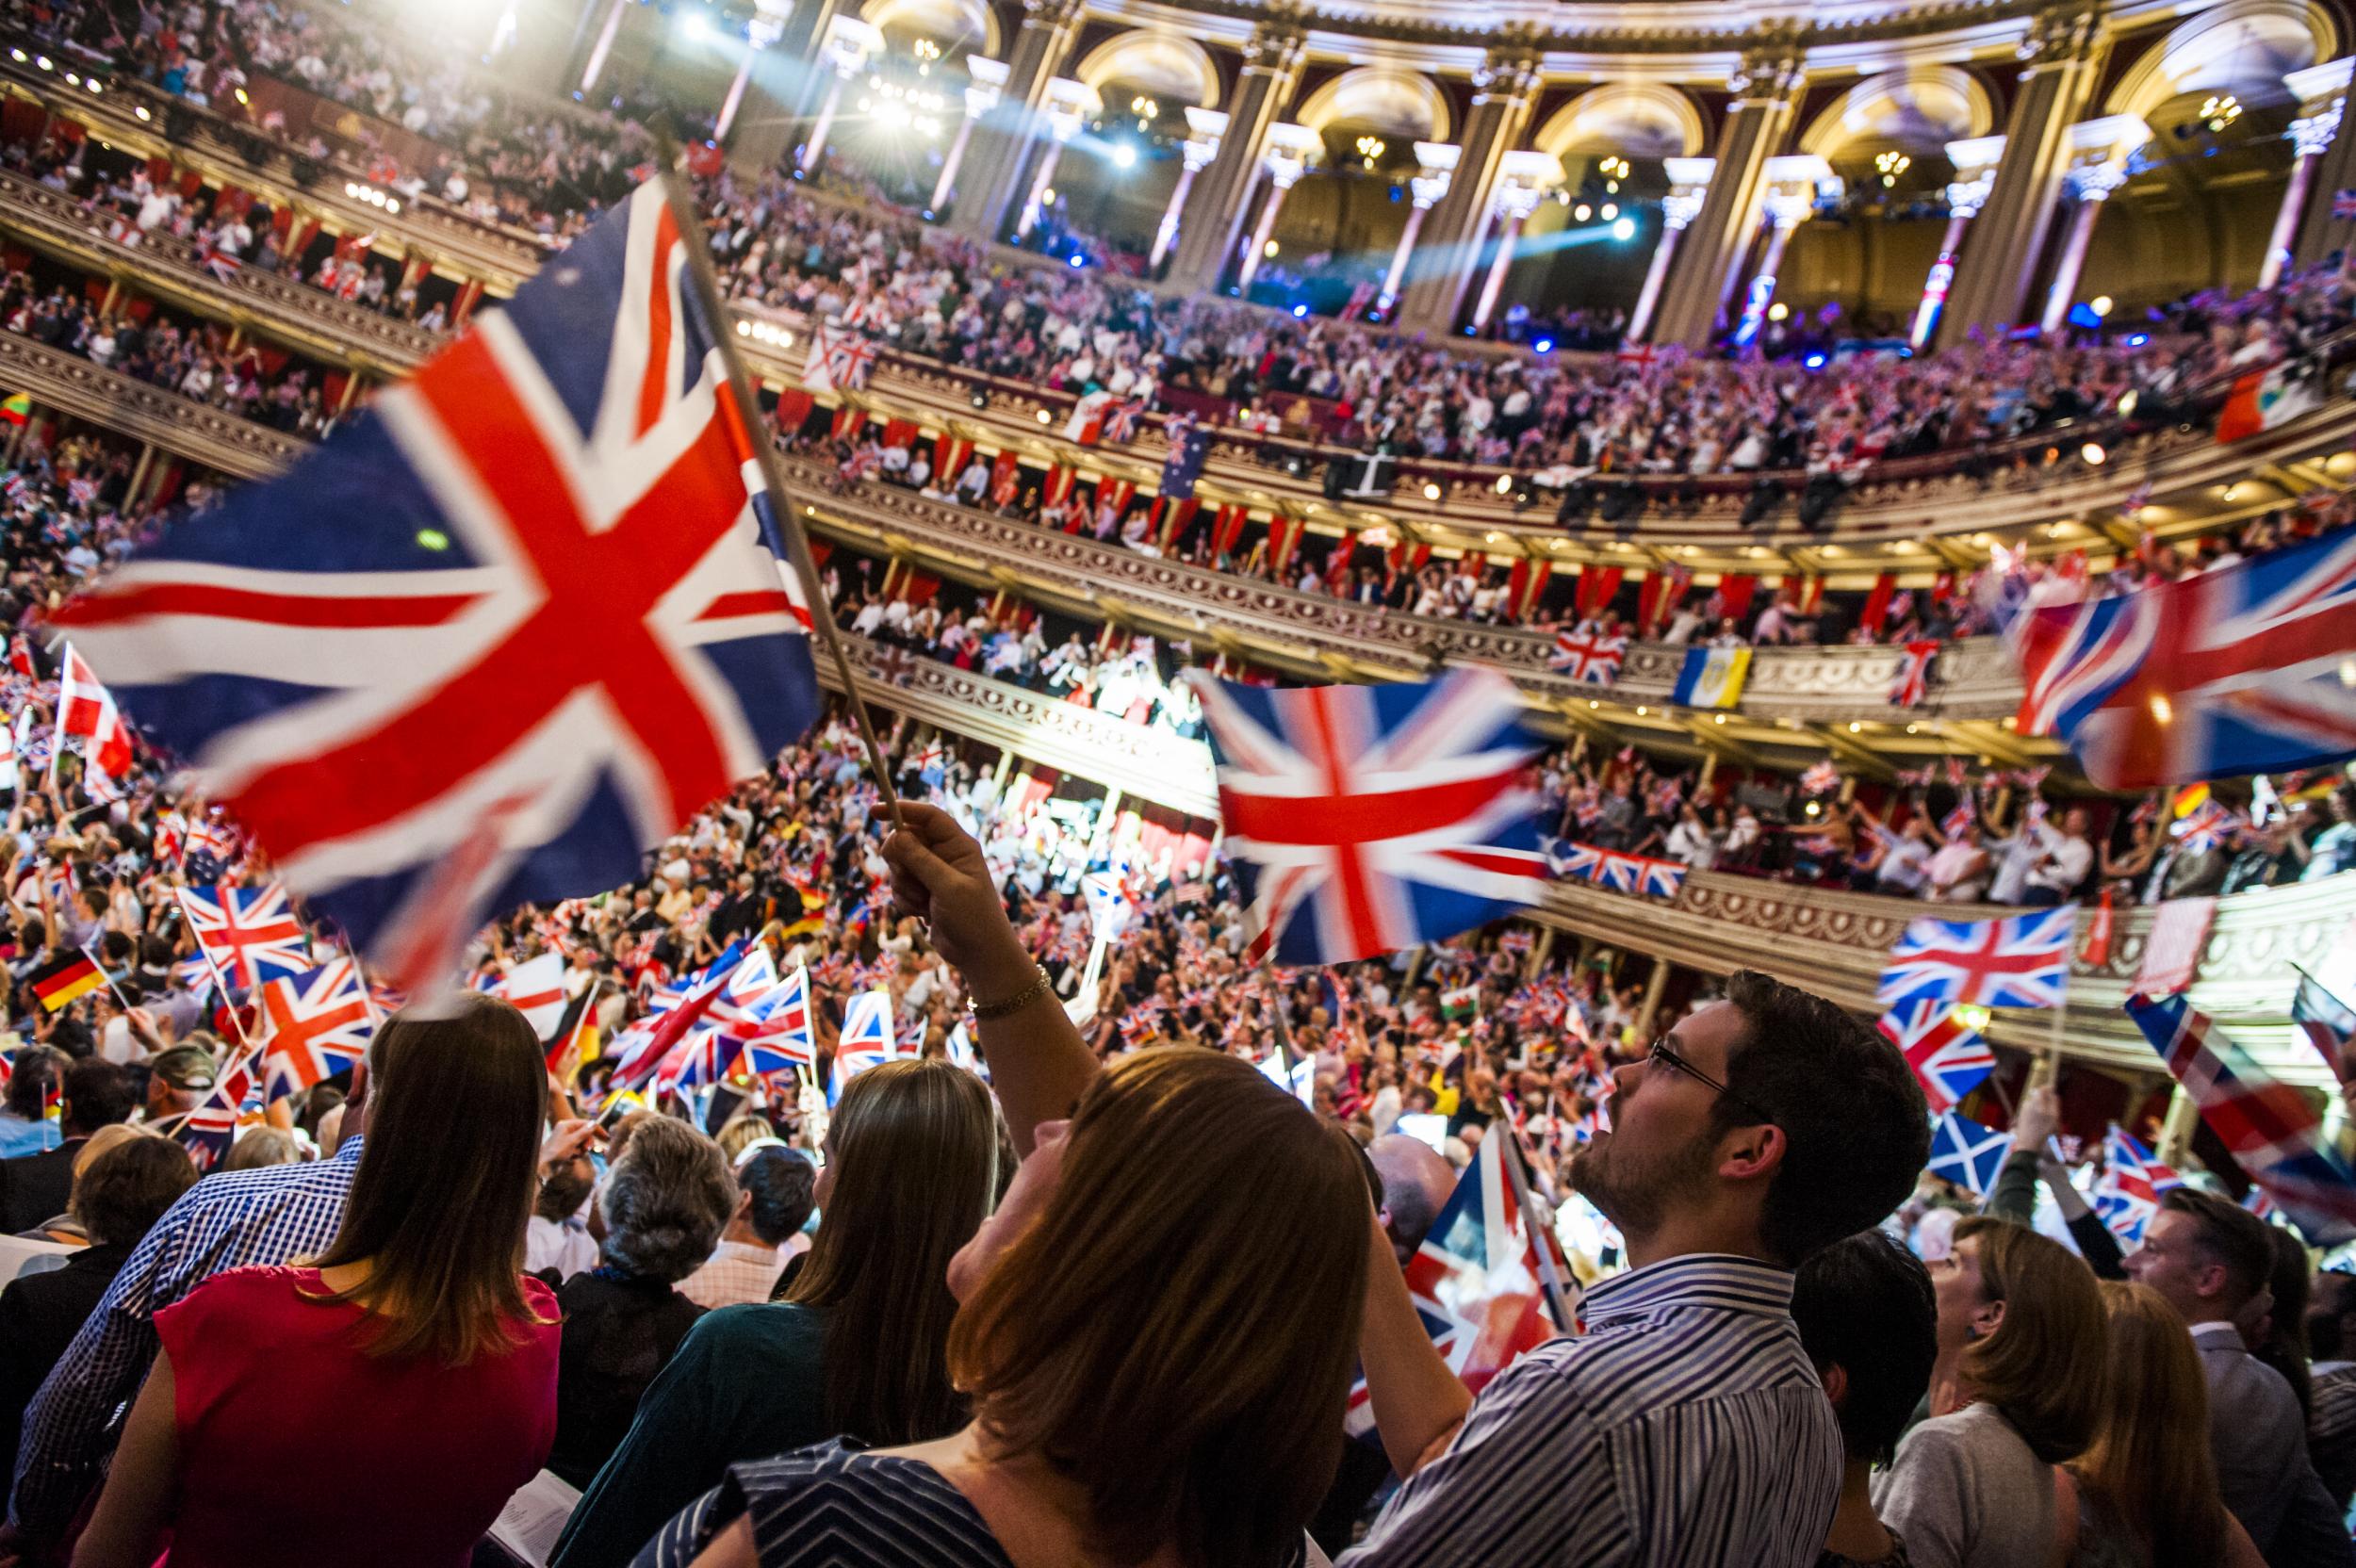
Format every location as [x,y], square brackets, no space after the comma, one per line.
[503,632]
[1363,820]
[2235,671]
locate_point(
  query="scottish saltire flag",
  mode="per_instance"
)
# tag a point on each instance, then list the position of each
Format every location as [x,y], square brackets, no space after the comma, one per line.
[249,933]
[2128,1194]
[1366,819]
[1588,657]
[499,634]
[651,1047]
[2329,1023]
[1488,1282]
[1968,1154]
[866,1039]
[2020,961]
[2233,670]
[1711,677]
[2271,1128]
[1949,1059]
[312,1026]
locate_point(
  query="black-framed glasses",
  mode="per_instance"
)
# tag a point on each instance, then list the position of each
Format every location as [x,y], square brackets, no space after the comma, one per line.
[1663,1055]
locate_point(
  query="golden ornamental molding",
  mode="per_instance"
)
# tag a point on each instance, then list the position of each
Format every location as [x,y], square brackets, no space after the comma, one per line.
[182,425]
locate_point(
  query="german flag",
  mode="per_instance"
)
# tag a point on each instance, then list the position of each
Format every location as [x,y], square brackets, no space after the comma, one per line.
[812,916]
[78,976]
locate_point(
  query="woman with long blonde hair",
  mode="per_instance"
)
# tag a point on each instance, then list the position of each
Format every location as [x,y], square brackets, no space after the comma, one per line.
[2147,1484]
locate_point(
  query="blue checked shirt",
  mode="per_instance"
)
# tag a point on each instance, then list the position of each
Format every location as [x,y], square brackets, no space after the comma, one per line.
[1685,1427]
[248,1217]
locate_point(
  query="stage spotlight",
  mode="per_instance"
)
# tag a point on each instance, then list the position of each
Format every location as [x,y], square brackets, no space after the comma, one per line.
[1624,229]
[2093,455]
[1300,311]
[1124,157]
[1543,345]
[1582,212]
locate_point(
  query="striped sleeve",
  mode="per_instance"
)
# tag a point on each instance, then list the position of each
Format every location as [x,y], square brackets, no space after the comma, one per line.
[1529,1480]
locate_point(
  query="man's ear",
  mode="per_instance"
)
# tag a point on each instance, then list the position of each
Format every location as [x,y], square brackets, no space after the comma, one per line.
[1836,1378]
[1753,1152]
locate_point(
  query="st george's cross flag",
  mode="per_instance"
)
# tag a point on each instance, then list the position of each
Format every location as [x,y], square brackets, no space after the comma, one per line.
[535,989]
[2272,1130]
[1363,820]
[250,934]
[1949,1059]
[2235,671]
[501,633]
[86,709]
[2020,961]
[312,1026]
[1489,1281]
[1967,1152]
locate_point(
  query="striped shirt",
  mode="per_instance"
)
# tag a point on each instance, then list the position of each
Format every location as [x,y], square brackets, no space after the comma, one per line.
[271,1216]
[830,1506]
[1684,1427]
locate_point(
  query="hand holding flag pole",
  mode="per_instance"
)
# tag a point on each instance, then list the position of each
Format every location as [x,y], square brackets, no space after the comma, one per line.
[788,530]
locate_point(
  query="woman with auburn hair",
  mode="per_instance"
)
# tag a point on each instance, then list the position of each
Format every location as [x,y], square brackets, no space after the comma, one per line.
[2016,1390]
[858,1346]
[2147,1484]
[378,1407]
[1158,1352]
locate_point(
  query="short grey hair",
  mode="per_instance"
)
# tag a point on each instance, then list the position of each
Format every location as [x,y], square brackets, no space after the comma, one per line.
[665,1201]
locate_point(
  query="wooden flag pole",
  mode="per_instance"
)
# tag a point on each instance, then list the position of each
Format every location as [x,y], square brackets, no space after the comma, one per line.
[707,285]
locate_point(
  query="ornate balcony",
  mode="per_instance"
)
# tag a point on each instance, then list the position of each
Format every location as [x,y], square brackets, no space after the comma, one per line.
[220,441]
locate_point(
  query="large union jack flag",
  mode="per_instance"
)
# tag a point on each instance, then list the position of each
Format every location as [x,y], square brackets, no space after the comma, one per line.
[2023,961]
[1588,657]
[2129,1193]
[499,634]
[2274,1131]
[1489,1282]
[313,1026]
[250,934]
[2232,672]
[1362,820]
[1949,1059]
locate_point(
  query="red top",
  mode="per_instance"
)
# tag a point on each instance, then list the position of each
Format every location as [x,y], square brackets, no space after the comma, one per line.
[297,1448]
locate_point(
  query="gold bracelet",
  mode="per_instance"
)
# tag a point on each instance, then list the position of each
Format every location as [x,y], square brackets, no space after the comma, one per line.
[985,1010]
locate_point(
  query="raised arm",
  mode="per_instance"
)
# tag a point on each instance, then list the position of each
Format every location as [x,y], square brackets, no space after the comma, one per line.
[1038,1064]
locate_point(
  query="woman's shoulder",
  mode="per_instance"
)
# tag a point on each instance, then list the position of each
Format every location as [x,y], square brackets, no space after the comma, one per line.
[248,1299]
[822,1503]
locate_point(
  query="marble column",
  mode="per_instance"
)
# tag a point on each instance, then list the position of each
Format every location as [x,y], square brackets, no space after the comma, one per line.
[1522,184]
[2320,232]
[850,44]
[985,80]
[1505,88]
[995,159]
[2090,186]
[1766,86]
[1689,181]
[1223,194]
[2322,91]
[1974,162]
[1436,164]
[1292,152]
[2062,54]
[1063,111]
[1201,149]
[1791,186]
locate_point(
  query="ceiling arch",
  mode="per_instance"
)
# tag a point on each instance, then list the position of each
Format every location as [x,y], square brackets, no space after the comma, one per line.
[1170,65]
[1640,119]
[947,22]
[1920,109]
[2243,47]
[1384,98]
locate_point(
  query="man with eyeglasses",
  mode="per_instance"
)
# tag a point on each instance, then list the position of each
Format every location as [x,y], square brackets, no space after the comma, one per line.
[1684,1425]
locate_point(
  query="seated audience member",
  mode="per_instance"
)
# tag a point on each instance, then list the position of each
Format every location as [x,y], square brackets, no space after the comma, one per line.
[857,1349]
[2210,1260]
[412,1354]
[35,1079]
[1157,1357]
[2015,1392]
[1870,1326]
[261,1148]
[2147,1483]
[557,1243]
[34,1188]
[119,1194]
[253,1218]
[2332,1414]
[774,1187]
[664,1203]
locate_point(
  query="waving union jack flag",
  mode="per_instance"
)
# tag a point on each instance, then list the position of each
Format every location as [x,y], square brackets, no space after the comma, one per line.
[2272,1129]
[499,634]
[653,1047]
[2232,672]
[781,1038]
[1366,819]
[249,933]
[2023,961]
[866,1039]
[1949,1059]
[1589,658]
[313,1026]
[208,1130]
[2129,1193]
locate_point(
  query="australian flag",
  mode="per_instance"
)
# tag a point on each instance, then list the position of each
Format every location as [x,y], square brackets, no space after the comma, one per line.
[1363,820]
[496,637]
[1190,443]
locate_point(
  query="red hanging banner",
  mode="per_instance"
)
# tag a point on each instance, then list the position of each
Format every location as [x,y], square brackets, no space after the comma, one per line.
[1734,595]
